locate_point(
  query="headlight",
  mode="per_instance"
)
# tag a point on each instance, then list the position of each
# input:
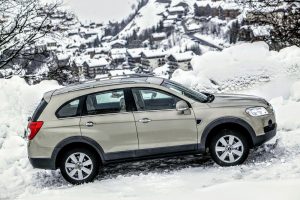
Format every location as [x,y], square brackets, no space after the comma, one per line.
[257,111]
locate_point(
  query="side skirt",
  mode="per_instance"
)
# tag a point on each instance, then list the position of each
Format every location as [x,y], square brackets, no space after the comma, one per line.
[152,153]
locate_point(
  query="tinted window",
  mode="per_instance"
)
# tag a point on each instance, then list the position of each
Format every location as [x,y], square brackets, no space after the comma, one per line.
[152,99]
[38,111]
[70,109]
[106,102]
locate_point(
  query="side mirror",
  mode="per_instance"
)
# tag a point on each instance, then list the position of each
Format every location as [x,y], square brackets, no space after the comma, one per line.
[181,106]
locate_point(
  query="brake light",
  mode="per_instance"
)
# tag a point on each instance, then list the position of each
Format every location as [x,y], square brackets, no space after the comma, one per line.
[33,128]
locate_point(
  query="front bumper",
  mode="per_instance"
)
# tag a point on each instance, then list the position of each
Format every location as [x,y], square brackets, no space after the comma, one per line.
[270,132]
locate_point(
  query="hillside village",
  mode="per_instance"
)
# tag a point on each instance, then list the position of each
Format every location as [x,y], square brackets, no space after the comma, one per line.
[182,30]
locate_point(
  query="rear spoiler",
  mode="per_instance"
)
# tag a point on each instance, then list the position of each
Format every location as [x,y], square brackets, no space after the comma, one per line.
[48,95]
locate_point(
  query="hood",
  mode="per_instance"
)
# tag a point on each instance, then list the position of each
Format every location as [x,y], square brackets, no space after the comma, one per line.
[233,100]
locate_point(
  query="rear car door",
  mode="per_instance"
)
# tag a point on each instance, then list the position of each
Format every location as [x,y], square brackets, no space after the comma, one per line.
[161,129]
[107,120]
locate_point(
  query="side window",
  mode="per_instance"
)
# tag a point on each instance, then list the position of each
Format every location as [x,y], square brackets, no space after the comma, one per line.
[70,109]
[153,99]
[106,102]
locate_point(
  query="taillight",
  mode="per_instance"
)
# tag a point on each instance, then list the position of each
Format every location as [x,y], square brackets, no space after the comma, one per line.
[33,128]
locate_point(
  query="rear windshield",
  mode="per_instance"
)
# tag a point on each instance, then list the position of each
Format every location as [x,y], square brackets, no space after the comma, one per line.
[38,111]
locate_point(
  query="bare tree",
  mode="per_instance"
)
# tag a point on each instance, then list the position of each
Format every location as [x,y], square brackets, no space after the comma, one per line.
[282,16]
[22,23]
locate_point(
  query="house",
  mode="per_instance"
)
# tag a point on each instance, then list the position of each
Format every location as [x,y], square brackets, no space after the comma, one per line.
[151,59]
[157,38]
[192,27]
[118,44]
[92,41]
[63,59]
[222,10]
[180,61]
[51,44]
[92,67]
[118,56]
[134,56]
[179,10]
[134,44]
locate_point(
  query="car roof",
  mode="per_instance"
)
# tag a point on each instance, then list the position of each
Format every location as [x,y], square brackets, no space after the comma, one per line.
[106,81]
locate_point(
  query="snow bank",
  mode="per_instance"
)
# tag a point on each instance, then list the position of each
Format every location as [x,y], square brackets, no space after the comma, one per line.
[275,190]
[18,100]
[239,67]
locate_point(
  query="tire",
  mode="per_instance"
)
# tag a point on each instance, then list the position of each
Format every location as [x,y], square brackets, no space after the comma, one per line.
[79,166]
[229,148]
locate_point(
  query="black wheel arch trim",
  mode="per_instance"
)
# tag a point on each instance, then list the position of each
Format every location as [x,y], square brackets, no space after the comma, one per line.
[77,139]
[224,120]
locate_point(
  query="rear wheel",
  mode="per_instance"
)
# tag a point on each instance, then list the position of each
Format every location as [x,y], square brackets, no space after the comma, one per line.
[229,148]
[79,166]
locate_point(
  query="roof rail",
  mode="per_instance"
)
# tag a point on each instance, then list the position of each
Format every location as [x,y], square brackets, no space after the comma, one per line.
[123,76]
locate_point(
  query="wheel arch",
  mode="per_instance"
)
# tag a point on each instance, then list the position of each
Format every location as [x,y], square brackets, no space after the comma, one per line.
[225,122]
[75,142]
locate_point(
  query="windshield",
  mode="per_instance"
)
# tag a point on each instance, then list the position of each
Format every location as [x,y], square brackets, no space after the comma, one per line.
[197,96]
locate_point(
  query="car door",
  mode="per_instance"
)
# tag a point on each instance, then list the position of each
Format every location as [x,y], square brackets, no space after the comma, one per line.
[107,120]
[162,129]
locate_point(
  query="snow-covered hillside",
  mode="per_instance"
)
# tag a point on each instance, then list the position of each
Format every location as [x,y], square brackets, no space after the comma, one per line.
[270,172]
[99,10]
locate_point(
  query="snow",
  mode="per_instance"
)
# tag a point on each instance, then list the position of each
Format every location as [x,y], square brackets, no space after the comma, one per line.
[154,53]
[99,10]
[176,9]
[135,53]
[270,172]
[188,55]
[97,62]
[147,17]
[18,100]
[159,35]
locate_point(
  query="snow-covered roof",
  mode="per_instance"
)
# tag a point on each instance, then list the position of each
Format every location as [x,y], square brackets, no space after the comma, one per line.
[154,53]
[97,62]
[170,17]
[118,56]
[63,56]
[176,9]
[135,53]
[122,42]
[118,51]
[168,21]
[159,35]
[216,4]
[188,55]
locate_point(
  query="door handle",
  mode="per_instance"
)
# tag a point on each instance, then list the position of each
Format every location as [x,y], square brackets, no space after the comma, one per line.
[89,124]
[145,120]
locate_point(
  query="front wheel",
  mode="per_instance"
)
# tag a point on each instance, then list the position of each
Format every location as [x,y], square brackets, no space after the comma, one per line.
[229,148]
[79,166]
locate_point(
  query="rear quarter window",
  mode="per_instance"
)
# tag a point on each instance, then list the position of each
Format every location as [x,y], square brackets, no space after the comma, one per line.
[38,111]
[69,109]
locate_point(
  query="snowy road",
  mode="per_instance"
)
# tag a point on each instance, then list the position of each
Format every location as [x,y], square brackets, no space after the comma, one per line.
[271,171]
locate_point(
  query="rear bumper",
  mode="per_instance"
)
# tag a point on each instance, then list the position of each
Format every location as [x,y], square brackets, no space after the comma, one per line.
[42,163]
[270,132]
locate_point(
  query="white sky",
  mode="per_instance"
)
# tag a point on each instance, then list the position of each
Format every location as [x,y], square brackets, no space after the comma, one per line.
[99,10]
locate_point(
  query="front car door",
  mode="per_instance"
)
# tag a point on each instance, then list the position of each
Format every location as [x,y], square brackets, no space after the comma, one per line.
[107,120]
[161,129]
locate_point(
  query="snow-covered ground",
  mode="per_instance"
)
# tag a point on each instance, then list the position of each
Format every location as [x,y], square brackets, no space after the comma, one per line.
[271,171]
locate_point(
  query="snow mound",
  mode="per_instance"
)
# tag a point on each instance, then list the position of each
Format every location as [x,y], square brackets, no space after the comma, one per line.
[239,67]
[18,101]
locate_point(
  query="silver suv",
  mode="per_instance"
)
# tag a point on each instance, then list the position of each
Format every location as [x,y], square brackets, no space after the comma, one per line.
[82,127]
